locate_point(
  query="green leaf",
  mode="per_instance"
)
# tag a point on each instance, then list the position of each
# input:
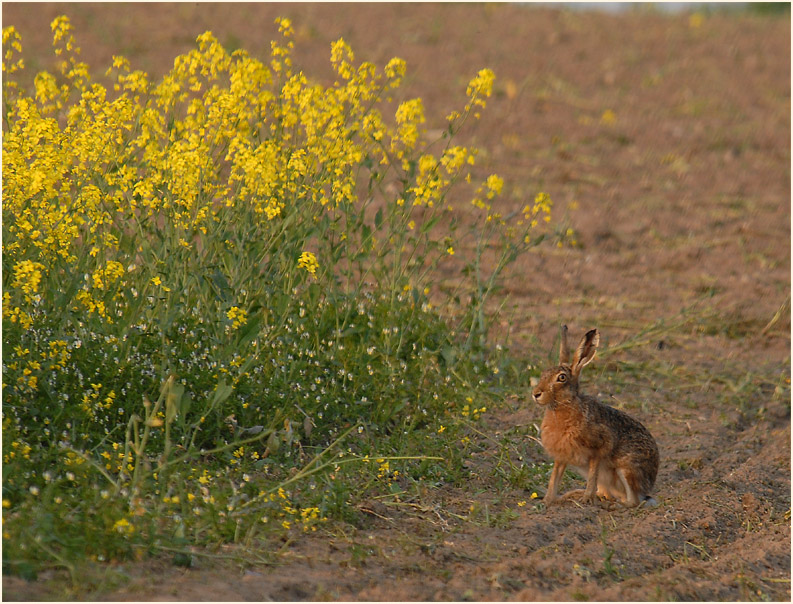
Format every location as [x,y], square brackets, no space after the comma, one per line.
[222,393]
[378,219]
[426,226]
[249,331]
[184,407]
[273,443]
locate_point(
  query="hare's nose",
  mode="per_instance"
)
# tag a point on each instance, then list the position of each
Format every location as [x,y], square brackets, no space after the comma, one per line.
[536,394]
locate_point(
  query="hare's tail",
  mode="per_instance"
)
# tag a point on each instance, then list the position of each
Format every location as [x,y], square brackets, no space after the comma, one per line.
[648,501]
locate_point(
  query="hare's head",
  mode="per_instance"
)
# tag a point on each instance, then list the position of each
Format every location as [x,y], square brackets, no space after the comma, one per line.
[560,384]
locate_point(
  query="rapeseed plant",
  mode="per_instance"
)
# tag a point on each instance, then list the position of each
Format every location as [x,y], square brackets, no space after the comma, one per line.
[161,308]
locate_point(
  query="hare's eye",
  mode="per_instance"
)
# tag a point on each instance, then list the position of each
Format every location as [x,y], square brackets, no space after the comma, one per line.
[562,377]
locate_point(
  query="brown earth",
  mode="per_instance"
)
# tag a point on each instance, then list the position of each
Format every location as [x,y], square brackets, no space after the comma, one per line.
[665,144]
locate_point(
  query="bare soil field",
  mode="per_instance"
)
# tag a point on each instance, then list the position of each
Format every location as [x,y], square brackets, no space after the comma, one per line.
[664,142]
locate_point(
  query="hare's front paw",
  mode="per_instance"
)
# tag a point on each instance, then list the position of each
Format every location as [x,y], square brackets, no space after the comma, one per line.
[549,499]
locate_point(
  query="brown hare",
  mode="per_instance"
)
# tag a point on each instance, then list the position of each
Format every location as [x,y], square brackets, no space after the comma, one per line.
[614,452]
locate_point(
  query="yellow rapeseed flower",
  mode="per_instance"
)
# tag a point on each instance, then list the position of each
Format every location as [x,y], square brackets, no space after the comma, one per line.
[238,317]
[27,276]
[494,185]
[123,526]
[409,116]
[308,261]
[479,88]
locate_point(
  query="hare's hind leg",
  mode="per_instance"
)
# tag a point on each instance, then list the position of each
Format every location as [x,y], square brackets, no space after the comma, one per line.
[631,499]
[574,494]
[579,496]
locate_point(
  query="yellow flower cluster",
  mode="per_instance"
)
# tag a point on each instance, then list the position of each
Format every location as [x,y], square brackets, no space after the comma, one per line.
[542,206]
[118,461]
[58,354]
[104,277]
[94,400]
[156,152]
[288,515]
[237,316]
[14,313]
[479,89]
[222,136]
[308,261]
[22,448]
[12,44]
[385,473]
[27,276]
[492,187]
[469,410]
[124,527]
[409,116]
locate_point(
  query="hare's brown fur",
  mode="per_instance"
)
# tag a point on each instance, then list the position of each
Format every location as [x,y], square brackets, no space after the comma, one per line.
[615,452]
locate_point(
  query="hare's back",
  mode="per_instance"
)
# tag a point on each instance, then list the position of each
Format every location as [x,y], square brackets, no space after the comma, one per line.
[628,433]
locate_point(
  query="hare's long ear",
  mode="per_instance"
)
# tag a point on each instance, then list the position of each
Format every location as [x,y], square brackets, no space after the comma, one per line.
[564,349]
[585,351]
